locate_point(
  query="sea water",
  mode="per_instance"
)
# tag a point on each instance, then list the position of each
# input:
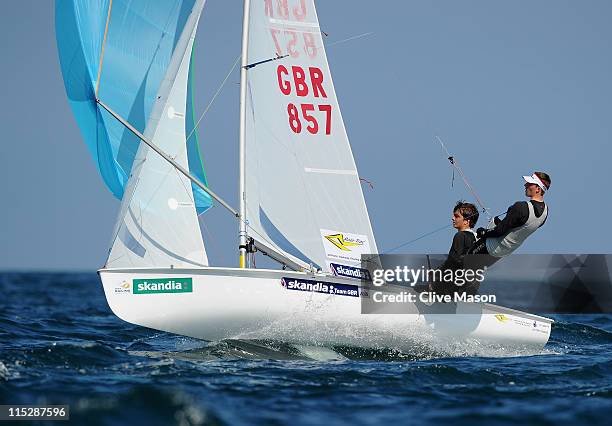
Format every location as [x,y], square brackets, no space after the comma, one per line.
[61,344]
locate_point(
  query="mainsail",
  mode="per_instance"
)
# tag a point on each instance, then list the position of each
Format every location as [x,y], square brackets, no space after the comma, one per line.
[158,222]
[303,194]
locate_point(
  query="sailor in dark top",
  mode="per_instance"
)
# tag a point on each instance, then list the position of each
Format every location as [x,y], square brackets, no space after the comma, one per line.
[462,242]
[522,219]
[465,216]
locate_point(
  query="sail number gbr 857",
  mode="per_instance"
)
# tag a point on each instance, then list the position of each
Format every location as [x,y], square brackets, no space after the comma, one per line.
[314,118]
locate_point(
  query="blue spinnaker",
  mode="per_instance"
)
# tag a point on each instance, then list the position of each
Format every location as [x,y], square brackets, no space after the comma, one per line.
[137,39]
[203,201]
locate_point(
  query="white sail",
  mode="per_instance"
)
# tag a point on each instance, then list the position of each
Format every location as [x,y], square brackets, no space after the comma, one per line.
[158,222]
[303,194]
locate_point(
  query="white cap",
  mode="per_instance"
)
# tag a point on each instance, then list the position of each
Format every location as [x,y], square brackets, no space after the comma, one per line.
[536,181]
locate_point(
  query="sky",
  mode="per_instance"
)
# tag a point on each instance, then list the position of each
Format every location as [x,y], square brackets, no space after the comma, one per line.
[510,86]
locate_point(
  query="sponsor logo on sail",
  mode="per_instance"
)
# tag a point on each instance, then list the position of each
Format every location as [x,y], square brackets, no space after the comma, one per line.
[320,287]
[344,242]
[162,285]
[350,272]
[344,247]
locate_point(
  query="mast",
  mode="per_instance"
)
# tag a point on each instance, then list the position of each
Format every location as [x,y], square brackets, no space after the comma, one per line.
[243,90]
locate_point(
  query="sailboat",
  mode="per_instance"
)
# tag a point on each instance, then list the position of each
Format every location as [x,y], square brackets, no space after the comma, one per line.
[127,69]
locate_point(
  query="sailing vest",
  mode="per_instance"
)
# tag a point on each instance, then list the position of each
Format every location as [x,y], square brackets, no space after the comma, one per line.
[504,245]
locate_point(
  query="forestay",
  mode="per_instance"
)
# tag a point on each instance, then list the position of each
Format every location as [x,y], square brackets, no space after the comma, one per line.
[158,224]
[303,192]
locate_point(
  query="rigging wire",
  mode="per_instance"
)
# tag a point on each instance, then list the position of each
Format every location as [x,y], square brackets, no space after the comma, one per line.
[213,98]
[456,166]
[326,45]
[348,39]
[427,234]
[442,228]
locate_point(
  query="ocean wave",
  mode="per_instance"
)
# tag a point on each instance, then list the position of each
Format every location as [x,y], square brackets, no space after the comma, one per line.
[75,351]
[144,404]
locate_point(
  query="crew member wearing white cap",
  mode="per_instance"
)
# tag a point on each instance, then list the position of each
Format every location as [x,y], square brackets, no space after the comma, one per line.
[522,219]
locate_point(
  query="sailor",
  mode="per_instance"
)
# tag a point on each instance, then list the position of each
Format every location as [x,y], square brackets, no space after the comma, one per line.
[522,219]
[465,215]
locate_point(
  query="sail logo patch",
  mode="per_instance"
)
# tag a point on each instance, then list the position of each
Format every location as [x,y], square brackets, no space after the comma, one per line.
[320,287]
[162,285]
[350,272]
[344,246]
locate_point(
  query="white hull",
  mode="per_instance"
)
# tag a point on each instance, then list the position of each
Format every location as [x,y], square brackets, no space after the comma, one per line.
[231,303]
